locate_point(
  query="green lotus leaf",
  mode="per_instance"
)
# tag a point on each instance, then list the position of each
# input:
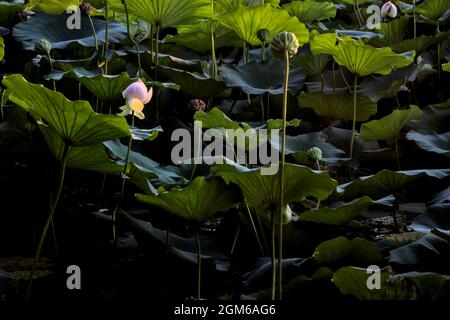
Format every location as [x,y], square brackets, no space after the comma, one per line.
[52,6]
[437,143]
[389,127]
[8,12]
[197,202]
[386,182]
[308,10]
[297,147]
[426,252]
[225,6]
[105,87]
[169,175]
[215,118]
[2,49]
[261,191]
[338,216]
[53,28]
[197,37]
[357,57]
[75,121]
[446,67]
[341,249]
[194,84]
[92,157]
[435,10]
[166,13]
[435,218]
[313,65]
[258,78]
[420,44]
[404,286]
[338,106]
[247,21]
[433,120]
[278,123]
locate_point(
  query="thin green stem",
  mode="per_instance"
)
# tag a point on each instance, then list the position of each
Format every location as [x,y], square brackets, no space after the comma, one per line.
[213,53]
[414,19]
[157,53]
[355,85]
[281,181]
[122,187]
[105,47]
[136,46]
[273,257]
[50,60]
[199,266]
[254,228]
[233,246]
[261,100]
[49,221]
[263,52]
[93,31]
[397,154]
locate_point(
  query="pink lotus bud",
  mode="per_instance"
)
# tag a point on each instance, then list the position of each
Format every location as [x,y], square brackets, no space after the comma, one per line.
[196,105]
[403,88]
[85,8]
[388,10]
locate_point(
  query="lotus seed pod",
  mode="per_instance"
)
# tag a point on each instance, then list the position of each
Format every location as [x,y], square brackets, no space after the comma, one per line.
[263,35]
[282,42]
[314,153]
[287,215]
[43,46]
[388,10]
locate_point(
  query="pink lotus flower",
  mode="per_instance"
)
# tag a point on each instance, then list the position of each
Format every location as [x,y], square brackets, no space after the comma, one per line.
[137,96]
[388,10]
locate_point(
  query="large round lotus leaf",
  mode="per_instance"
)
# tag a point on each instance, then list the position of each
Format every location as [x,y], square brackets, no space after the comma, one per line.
[246,22]
[8,11]
[54,29]
[197,202]
[432,120]
[225,6]
[258,78]
[297,146]
[308,10]
[338,106]
[434,9]
[197,37]
[438,143]
[389,127]
[357,57]
[166,13]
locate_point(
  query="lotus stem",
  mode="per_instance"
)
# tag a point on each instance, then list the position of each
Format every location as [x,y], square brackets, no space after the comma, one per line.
[273,257]
[233,246]
[49,221]
[50,60]
[105,47]
[93,31]
[414,19]
[281,181]
[254,229]
[355,84]
[397,154]
[261,100]
[136,46]
[213,54]
[167,240]
[122,187]
[157,53]
[199,266]
[438,52]
[263,52]
[334,76]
